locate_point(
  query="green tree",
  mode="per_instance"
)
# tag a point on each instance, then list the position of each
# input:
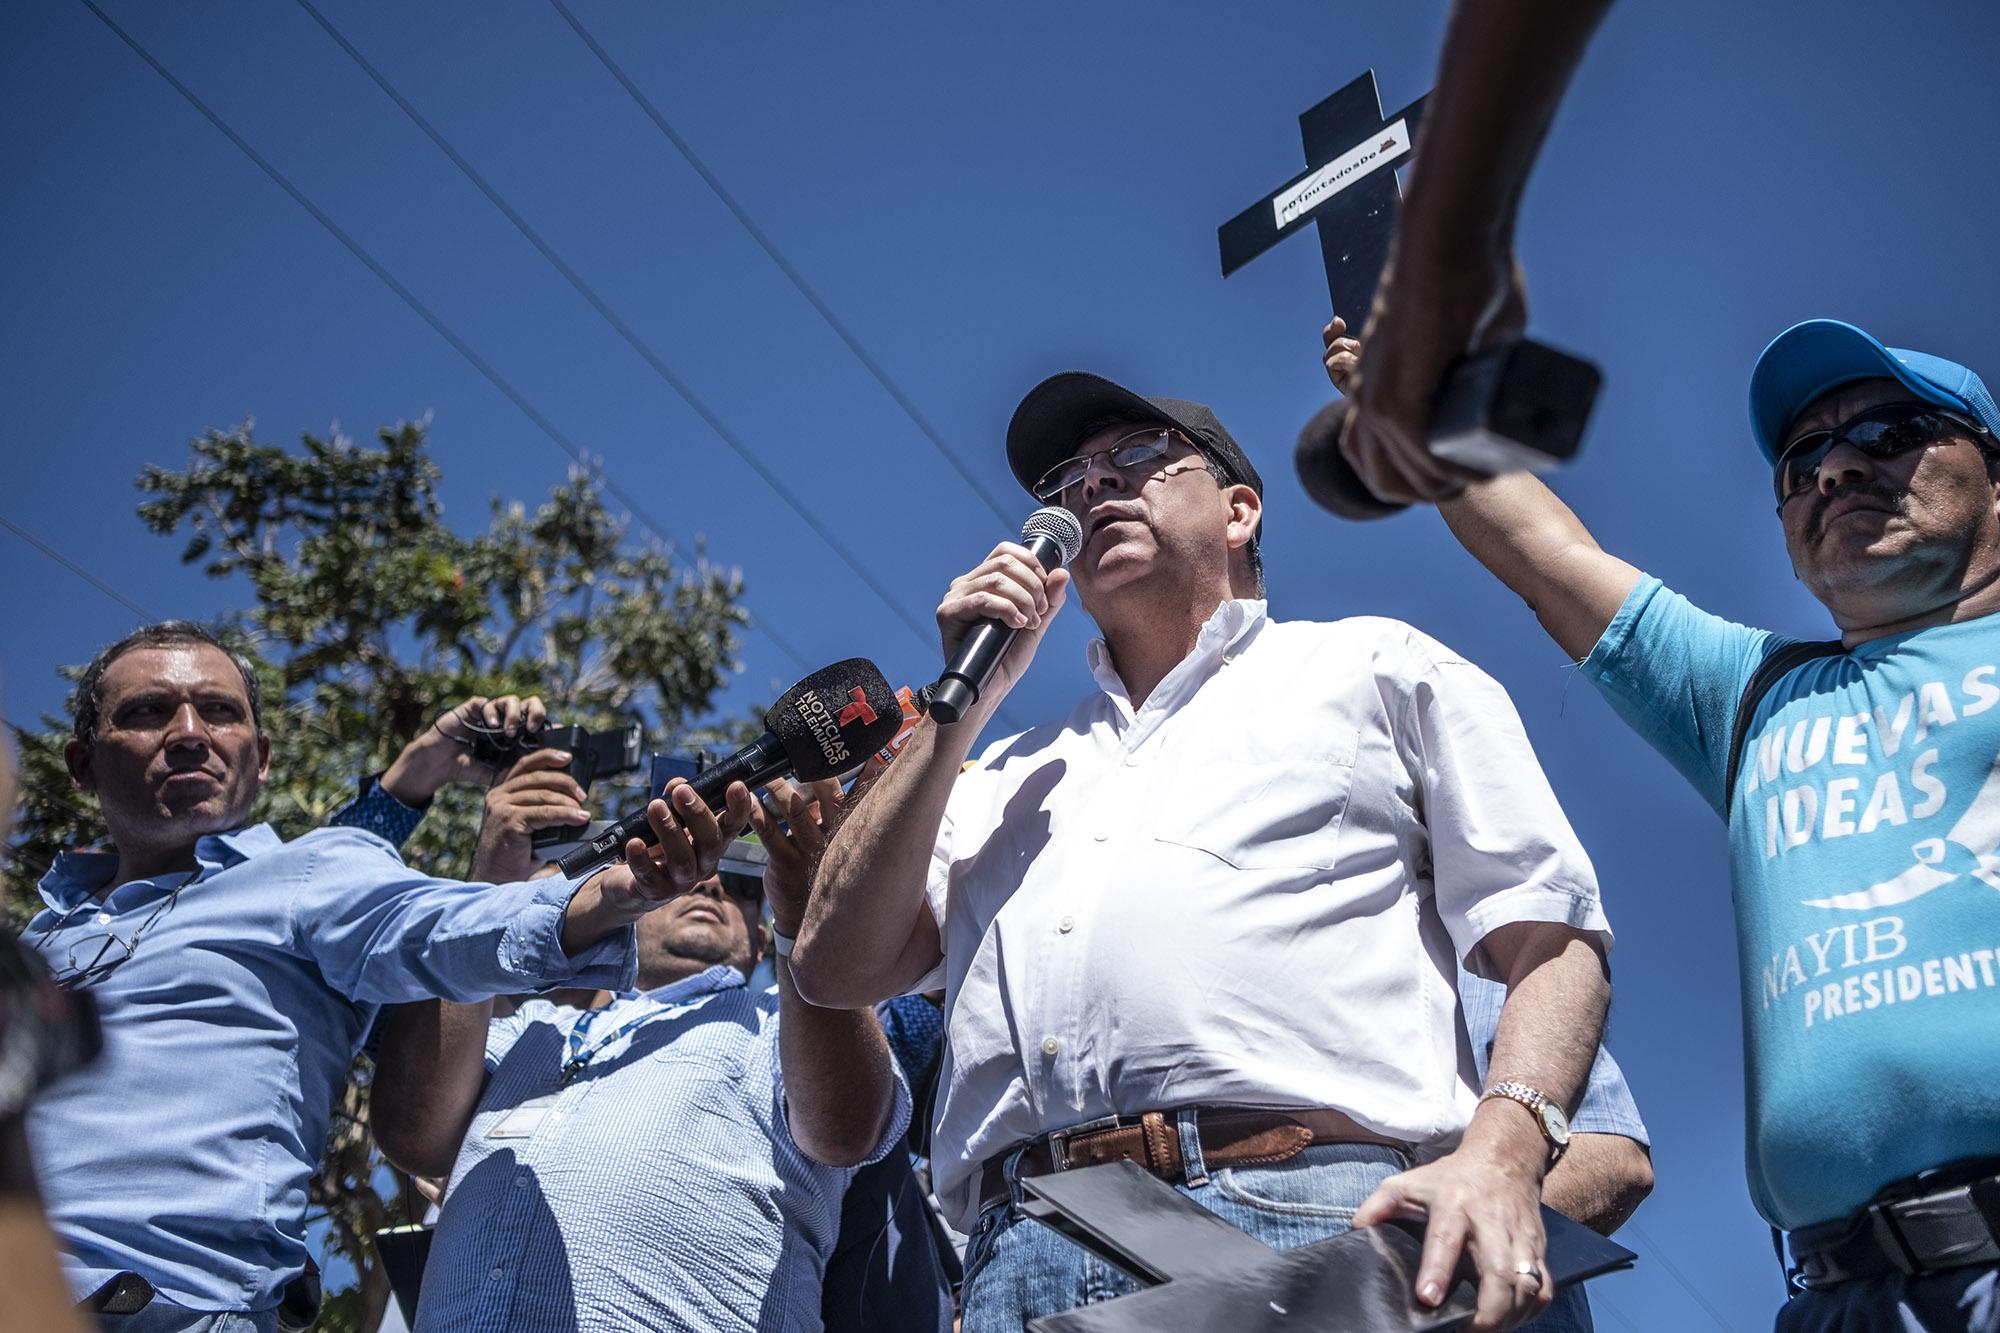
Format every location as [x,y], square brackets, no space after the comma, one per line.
[370,617]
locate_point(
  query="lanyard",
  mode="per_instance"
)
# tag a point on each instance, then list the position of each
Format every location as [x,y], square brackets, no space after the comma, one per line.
[581,1055]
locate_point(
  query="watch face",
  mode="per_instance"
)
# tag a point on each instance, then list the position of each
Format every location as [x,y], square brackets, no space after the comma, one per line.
[1556,1123]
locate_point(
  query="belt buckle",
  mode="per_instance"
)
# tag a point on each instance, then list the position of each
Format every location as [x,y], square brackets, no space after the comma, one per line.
[1985,1196]
[1888,1237]
[1059,1138]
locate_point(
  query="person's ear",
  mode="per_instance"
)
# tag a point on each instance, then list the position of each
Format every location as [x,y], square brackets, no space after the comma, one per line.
[77,756]
[263,755]
[1246,515]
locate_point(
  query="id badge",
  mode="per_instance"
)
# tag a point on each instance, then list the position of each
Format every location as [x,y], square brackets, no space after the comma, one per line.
[523,1120]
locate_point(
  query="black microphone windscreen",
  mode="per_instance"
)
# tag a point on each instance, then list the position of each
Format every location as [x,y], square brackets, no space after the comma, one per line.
[835,718]
[1326,474]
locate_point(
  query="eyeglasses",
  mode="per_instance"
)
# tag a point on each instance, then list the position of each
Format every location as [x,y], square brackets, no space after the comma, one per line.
[97,956]
[1128,455]
[1879,432]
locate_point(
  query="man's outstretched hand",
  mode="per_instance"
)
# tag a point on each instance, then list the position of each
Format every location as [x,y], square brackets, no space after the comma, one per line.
[691,840]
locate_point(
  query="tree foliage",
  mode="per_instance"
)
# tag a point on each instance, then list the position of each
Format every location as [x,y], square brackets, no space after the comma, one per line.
[369,617]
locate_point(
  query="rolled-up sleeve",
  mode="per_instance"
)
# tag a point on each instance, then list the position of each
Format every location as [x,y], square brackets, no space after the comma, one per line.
[1501,848]
[384,934]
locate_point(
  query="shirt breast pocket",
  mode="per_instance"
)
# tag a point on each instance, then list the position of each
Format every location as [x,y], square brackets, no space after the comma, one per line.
[1267,814]
[717,1045]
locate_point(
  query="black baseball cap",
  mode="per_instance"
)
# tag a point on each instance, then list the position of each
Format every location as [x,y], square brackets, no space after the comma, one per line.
[1064,410]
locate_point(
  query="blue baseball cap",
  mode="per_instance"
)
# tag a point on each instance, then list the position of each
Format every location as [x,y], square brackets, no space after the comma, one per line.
[1808,359]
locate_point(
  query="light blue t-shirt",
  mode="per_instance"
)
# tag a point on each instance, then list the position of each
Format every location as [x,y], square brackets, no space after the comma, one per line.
[1865,852]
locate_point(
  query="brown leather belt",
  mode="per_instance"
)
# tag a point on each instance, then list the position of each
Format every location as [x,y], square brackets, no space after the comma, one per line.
[1228,1136]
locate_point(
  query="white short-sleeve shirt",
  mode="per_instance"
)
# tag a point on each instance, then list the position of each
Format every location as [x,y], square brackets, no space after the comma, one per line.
[1252,891]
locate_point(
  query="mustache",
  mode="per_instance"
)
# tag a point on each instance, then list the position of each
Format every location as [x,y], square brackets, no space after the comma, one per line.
[1887,496]
[1110,511]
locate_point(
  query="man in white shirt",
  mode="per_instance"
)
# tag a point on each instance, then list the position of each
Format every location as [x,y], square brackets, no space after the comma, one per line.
[1209,922]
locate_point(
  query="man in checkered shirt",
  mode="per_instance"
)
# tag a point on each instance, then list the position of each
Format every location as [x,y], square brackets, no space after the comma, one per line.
[672,1159]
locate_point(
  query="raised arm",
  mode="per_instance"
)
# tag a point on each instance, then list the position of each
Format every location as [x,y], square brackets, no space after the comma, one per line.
[431,1069]
[1518,528]
[840,1090]
[429,1075]
[1521,531]
[868,932]
[1505,66]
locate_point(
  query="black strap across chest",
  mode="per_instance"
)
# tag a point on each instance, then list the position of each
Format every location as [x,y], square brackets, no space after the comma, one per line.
[1768,673]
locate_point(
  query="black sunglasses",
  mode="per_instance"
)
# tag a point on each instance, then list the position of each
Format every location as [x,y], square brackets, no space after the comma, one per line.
[1879,432]
[743,888]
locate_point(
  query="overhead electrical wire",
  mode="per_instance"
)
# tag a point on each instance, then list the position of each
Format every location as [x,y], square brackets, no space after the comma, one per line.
[1674,1272]
[925,635]
[785,266]
[430,317]
[76,569]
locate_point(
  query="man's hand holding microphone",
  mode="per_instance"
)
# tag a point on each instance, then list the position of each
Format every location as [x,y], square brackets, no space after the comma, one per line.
[1011,589]
[689,839]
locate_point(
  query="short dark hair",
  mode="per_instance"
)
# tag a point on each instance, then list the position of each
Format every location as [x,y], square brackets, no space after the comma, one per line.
[1218,470]
[90,686]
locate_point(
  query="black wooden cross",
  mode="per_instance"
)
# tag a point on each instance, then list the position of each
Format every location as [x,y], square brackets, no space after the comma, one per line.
[1349,188]
[1202,1273]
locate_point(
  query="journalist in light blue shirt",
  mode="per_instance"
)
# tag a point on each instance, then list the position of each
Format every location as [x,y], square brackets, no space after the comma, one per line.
[236,974]
[183,1153]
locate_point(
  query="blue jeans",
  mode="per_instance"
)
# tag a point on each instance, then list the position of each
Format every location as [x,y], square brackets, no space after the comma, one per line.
[1017,1270]
[1960,1300]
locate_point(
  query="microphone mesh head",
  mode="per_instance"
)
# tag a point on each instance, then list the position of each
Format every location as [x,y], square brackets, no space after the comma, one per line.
[835,718]
[1059,526]
[1326,474]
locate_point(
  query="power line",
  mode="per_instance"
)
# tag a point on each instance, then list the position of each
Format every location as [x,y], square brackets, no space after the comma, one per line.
[76,569]
[1600,1304]
[786,267]
[624,330]
[409,298]
[1680,1277]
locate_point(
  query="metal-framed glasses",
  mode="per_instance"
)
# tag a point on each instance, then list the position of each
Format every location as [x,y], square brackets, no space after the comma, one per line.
[1129,454]
[97,955]
[1879,432]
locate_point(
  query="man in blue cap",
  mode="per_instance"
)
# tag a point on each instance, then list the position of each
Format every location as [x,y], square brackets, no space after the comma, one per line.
[1860,779]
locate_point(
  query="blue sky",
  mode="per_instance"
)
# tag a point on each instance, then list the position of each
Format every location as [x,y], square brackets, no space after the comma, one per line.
[983,195]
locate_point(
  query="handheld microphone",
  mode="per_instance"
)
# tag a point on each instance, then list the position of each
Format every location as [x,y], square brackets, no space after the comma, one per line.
[1053,536]
[826,724]
[1521,406]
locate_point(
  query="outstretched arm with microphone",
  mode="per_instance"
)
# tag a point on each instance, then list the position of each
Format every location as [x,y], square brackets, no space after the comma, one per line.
[1505,66]
[1520,530]
[868,932]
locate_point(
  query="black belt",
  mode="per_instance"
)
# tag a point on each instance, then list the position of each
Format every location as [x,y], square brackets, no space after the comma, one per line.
[1927,1231]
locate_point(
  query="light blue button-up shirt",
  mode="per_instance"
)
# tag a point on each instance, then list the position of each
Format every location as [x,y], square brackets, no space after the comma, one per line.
[184,1152]
[1607,1106]
[659,1188]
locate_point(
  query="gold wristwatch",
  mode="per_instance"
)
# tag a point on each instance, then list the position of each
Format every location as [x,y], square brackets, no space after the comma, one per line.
[1549,1116]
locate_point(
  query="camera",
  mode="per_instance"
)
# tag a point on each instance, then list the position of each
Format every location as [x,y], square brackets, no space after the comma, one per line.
[592,756]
